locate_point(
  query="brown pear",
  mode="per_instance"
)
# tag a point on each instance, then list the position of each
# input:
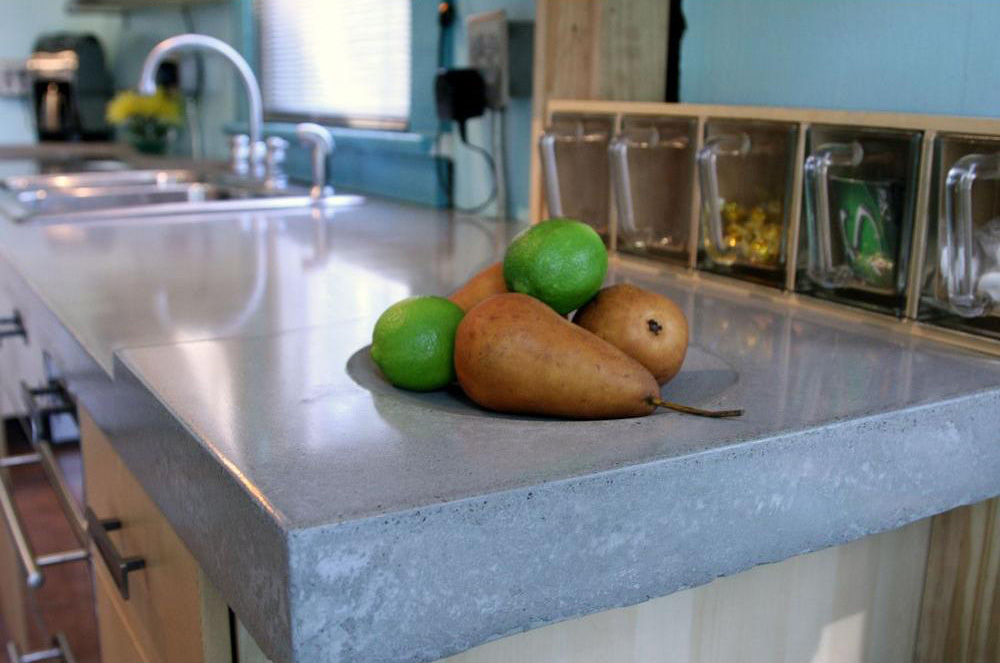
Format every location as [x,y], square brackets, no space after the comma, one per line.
[644,325]
[515,354]
[485,283]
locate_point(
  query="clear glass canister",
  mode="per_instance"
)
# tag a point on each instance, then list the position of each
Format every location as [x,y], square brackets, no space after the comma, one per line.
[859,196]
[962,263]
[652,165]
[574,153]
[745,172]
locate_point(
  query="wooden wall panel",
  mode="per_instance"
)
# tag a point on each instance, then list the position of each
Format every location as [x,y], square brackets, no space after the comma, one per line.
[960,614]
[595,49]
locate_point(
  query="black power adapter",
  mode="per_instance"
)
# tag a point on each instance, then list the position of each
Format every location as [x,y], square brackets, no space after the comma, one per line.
[460,95]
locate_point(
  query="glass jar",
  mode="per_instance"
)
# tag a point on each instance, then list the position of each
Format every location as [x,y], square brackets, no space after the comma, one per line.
[858,207]
[745,171]
[652,166]
[962,264]
[574,153]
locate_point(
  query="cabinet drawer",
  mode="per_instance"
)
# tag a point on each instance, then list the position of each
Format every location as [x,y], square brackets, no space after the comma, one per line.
[118,642]
[172,611]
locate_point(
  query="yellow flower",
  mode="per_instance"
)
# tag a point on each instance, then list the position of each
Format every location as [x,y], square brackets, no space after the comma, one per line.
[128,105]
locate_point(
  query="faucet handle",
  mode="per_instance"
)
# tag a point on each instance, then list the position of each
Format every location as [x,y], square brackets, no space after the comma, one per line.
[239,154]
[275,177]
[321,143]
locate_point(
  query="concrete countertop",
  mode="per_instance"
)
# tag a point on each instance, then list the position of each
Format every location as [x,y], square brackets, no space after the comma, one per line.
[345,520]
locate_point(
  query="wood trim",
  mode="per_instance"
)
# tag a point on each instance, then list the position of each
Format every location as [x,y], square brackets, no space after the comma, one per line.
[912,121]
[960,612]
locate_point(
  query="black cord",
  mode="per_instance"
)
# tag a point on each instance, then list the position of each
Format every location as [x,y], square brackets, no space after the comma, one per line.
[493,174]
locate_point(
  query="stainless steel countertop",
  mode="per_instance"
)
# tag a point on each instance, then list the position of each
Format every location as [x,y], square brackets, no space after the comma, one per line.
[345,520]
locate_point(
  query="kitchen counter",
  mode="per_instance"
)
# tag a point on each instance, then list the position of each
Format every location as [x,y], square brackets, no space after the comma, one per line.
[345,520]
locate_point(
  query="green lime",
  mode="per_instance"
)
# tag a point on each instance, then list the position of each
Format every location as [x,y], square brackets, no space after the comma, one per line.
[414,342]
[561,262]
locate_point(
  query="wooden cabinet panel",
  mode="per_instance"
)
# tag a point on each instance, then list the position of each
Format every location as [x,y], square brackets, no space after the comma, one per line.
[173,612]
[118,641]
[960,615]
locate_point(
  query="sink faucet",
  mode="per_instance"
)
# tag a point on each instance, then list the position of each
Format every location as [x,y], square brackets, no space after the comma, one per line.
[147,85]
[321,144]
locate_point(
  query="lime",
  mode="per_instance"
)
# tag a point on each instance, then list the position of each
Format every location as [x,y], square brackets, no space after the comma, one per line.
[560,261]
[414,342]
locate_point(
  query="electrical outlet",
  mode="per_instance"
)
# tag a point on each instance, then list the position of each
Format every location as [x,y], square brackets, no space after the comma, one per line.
[488,52]
[13,78]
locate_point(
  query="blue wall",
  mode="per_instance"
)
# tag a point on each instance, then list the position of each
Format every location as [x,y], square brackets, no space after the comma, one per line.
[924,56]
[471,184]
[141,30]
[20,25]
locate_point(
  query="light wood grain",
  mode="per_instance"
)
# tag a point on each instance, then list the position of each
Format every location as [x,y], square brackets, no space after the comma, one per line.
[960,615]
[633,50]
[173,613]
[118,640]
[594,49]
[855,603]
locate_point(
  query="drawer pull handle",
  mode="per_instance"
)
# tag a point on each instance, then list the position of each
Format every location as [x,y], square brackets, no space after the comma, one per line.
[43,403]
[31,563]
[58,651]
[12,326]
[119,567]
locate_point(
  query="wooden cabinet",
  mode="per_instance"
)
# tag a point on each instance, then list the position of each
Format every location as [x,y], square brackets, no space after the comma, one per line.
[172,612]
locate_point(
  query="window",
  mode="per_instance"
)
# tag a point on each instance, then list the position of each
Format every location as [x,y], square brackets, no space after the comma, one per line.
[338,61]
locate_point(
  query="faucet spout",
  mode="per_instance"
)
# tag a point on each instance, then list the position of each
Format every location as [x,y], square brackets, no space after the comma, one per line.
[147,79]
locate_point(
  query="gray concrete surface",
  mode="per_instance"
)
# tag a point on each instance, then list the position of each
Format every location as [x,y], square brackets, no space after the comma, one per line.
[345,520]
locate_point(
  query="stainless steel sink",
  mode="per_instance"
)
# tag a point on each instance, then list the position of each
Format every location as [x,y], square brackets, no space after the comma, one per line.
[82,196]
[105,178]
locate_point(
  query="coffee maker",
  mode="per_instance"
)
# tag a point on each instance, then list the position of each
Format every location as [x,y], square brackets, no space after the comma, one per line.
[70,87]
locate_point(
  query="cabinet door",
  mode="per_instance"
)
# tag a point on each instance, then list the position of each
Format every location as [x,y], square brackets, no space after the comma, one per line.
[118,642]
[172,612]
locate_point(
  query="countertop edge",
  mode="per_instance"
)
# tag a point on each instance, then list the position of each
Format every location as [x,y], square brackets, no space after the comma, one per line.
[513,561]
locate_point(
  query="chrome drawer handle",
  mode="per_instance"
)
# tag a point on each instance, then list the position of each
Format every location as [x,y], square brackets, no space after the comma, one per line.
[12,326]
[31,563]
[58,651]
[119,567]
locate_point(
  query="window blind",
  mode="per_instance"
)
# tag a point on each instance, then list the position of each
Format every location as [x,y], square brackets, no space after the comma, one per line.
[337,60]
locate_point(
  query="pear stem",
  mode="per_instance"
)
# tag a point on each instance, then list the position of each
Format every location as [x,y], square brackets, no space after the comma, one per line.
[718,414]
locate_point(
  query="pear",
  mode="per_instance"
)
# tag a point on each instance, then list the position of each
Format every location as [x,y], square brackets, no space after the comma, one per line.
[515,354]
[483,284]
[644,325]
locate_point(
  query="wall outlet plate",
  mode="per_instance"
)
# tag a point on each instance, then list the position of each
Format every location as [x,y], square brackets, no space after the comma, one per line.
[13,78]
[489,53]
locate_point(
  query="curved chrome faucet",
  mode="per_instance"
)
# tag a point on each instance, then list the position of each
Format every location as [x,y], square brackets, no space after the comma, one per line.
[319,140]
[147,80]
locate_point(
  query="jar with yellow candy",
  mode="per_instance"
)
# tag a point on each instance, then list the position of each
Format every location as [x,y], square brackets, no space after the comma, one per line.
[752,235]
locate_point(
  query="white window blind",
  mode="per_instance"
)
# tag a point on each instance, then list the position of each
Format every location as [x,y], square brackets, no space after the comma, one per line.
[339,60]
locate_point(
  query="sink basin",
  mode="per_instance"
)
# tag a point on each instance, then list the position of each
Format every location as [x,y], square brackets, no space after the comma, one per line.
[134,193]
[99,178]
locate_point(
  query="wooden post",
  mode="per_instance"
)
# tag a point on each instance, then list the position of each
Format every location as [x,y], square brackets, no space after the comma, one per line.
[595,49]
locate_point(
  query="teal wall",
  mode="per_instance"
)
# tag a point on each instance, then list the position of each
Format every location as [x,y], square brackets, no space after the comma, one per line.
[471,183]
[385,163]
[21,21]
[925,56]
[221,95]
